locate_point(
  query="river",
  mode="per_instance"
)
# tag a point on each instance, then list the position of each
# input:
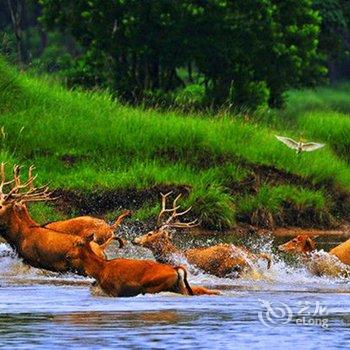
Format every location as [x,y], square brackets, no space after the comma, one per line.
[287,309]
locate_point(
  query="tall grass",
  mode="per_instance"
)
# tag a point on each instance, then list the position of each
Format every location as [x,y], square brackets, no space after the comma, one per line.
[332,128]
[270,203]
[335,98]
[86,140]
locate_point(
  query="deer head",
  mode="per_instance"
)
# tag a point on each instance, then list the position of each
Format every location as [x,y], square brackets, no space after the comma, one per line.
[78,247]
[161,238]
[83,257]
[300,244]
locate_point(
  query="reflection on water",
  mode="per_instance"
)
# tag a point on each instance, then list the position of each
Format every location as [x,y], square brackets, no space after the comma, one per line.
[203,322]
[46,310]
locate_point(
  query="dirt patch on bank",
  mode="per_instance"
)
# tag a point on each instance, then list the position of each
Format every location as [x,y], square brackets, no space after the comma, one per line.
[99,202]
[343,232]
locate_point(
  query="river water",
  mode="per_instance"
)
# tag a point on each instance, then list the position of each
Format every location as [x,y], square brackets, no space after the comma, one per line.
[287,309]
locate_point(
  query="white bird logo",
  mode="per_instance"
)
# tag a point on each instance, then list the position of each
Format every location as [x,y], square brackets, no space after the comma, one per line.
[300,146]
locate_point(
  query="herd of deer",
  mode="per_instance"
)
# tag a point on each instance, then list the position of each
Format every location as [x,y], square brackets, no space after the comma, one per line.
[79,245]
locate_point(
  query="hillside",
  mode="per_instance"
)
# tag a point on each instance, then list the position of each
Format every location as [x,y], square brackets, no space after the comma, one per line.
[100,155]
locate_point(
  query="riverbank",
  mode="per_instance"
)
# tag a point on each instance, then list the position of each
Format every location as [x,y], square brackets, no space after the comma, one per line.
[101,156]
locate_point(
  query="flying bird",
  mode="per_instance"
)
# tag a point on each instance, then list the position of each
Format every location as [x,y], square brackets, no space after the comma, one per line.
[300,146]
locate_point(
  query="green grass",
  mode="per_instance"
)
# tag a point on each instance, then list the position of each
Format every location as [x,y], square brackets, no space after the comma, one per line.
[320,115]
[328,99]
[332,128]
[41,212]
[273,197]
[85,141]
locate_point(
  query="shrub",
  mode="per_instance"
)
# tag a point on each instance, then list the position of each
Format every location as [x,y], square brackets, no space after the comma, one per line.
[213,207]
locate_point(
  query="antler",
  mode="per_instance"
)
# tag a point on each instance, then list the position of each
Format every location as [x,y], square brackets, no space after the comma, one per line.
[32,195]
[164,210]
[3,182]
[174,215]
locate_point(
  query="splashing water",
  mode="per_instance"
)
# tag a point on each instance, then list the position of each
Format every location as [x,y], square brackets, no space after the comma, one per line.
[40,309]
[14,271]
[281,275]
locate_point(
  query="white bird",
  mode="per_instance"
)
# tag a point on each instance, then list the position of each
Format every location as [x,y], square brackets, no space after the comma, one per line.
[300,146]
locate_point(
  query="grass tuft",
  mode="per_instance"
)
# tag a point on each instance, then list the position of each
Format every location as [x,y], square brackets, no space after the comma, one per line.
[213,207]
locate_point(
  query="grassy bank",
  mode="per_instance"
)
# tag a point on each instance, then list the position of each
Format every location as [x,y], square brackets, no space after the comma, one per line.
[229,168]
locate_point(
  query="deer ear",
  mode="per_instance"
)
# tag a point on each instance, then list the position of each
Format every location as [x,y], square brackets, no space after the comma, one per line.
[17,206]
[79,243]
[309,244]
[90,237]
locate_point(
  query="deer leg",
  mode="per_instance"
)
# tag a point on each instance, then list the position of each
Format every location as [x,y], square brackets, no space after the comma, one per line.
[120,219]
[267,257]
[199,290]
[121,242]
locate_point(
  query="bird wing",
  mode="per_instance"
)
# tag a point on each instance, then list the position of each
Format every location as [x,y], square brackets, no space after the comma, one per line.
[288,141]
[311,146]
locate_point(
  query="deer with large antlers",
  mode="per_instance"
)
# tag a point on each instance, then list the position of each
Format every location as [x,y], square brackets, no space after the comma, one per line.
[38,246]
[222,260]
[81,226]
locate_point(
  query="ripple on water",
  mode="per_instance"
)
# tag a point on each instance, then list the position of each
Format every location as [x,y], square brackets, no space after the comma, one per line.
[47,310]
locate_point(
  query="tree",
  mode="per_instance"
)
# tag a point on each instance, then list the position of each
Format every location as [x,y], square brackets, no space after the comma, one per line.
[249,51]
[259,48]
[17,11]
[131,46]
[335,38]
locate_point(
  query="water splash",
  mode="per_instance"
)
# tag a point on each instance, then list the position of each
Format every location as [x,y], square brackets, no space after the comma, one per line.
[282,276]
[13,270]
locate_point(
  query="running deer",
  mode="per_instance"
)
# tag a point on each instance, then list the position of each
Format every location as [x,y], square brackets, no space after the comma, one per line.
[222,260]
[38,246]
[333,263]
[129,277]
[83,226]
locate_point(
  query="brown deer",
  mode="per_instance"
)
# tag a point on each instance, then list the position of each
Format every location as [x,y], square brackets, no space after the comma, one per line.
[128,277]
[83,226]
[39,247]
[334,263]
[301,244]
[221,260]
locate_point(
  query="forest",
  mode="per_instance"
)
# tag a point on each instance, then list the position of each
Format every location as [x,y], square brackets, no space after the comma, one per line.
[182,53]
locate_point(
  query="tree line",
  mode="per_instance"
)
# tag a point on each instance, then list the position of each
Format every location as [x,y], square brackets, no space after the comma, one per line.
[240,53]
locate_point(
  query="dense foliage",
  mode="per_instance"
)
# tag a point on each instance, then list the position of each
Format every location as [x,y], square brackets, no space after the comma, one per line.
[188,52]
[247,52]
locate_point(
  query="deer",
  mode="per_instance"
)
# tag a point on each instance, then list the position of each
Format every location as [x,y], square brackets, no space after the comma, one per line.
[80,226]
[221,260]
[129,277]
[84,225]
[37,246]
[334,263]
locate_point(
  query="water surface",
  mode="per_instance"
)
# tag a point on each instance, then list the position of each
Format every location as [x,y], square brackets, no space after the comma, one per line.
[46,310]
